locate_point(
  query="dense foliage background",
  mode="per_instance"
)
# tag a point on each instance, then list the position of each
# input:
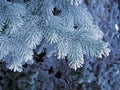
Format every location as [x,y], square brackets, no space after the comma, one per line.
[47,73]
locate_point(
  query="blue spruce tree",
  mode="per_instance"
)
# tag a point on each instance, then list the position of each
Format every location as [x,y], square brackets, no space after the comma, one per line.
[66,25]
[59,45]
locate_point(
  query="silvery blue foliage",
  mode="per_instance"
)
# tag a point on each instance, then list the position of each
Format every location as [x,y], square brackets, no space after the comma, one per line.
[67,25]
[50,67]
